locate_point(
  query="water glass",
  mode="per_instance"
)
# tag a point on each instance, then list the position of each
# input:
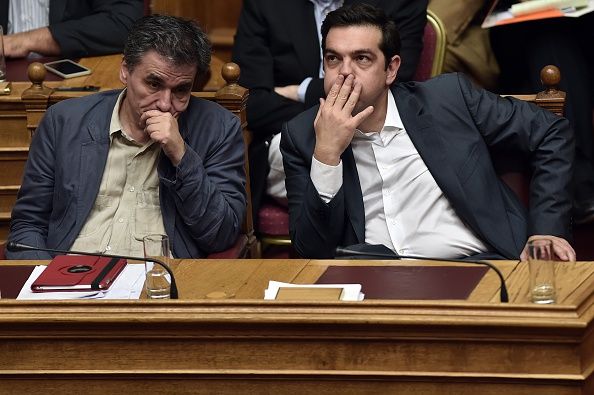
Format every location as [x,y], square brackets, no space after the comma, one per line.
[158,281]
[2,61]
[541,265]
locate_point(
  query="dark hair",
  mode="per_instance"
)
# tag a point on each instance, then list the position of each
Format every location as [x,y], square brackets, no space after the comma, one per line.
[177,39]
[365,15]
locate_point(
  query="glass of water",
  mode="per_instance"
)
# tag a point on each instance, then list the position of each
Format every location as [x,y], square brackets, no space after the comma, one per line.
[541,265]
[2,61]
[158,281]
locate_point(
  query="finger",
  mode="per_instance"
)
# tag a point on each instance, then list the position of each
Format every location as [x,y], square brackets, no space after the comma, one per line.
[353,98]
[322,101]
[345,91]
[564,251]
[564,254]
[333,94]
[524,254]
[362,116]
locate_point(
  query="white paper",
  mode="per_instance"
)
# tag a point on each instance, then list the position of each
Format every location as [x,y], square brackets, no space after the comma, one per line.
[495,17]
[350,292]
[128,285]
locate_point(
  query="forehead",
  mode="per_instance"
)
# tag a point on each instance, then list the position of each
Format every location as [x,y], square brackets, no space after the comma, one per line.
[159,66]
[352,38]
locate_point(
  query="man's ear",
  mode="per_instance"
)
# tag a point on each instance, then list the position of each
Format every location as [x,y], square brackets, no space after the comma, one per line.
[392,69]
[124,73]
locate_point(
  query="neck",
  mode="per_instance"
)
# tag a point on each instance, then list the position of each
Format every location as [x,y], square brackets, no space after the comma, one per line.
[375,122]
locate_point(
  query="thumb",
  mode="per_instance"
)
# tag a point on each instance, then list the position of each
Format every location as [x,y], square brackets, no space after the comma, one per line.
[363,115]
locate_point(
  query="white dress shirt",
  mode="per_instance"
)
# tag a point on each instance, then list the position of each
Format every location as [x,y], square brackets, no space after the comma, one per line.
[404,207]
[25,15]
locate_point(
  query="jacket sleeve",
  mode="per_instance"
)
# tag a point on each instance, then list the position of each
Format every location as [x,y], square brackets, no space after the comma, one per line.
[521,129]
[316,227]
[209,190]
[410,18]
[267,110]
[31,213]
[102,31]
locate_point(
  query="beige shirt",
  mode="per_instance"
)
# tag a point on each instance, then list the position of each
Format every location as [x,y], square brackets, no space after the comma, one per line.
[127,206]
[404,207]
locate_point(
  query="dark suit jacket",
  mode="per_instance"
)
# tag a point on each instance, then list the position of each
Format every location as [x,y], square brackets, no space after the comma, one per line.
[202,200]
[456,128]
[277,45]
[89,27]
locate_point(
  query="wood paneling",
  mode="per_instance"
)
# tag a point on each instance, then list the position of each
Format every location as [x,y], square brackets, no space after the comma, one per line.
[217,17]
[243,344]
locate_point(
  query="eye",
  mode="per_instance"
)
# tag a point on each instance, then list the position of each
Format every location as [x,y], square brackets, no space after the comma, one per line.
[182,90]
[153,84]
[364,59]
[331,59]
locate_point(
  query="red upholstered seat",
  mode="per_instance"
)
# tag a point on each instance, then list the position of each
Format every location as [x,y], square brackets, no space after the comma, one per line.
[433,52]
[273,220]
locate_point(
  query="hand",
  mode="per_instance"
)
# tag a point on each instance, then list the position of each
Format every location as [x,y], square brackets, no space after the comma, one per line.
[334,124]
[40,40]
[162,128]
[15,46]
[289,91]
[561,248]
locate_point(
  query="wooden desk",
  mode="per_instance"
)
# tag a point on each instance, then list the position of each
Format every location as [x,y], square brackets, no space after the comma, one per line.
[243,344]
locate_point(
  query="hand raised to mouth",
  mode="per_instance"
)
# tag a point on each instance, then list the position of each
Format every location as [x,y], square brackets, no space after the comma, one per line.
[335,123]
[162,127]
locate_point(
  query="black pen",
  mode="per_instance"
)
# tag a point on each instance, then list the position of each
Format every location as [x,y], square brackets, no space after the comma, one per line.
[86,88]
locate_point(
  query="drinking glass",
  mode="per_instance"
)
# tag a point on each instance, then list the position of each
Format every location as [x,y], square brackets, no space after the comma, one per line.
[158,281]
[2,61]
[541,265]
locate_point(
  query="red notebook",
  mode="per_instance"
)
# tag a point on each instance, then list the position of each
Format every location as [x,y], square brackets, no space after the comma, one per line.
[78,273]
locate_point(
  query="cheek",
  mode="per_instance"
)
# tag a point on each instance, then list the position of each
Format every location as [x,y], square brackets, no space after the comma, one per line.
[180,105]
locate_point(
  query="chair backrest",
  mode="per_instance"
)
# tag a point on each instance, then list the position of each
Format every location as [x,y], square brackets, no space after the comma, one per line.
[231,96]
[434,47]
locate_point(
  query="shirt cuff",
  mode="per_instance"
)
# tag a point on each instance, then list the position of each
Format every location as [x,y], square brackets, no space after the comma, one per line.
[327,179]
[302,89]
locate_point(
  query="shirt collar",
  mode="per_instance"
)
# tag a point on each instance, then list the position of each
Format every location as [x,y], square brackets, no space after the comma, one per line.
[393,122]
[324,3]
[116,125]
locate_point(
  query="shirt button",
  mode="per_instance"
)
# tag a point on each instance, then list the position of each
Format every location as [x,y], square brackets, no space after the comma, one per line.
[108,248]
[131,189]
[121,220]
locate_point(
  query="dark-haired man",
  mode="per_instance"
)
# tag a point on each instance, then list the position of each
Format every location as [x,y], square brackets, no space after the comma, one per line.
[277,46]
[409,166]
[107,169]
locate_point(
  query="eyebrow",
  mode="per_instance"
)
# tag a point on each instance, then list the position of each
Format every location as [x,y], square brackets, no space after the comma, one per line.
[154,77]
[363,51]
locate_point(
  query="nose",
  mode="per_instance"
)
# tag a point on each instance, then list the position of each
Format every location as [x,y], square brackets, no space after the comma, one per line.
[164,101]
[346,67]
